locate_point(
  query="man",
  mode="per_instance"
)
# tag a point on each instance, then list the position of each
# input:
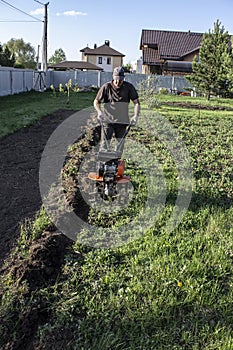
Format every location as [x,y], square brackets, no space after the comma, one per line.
[116,96]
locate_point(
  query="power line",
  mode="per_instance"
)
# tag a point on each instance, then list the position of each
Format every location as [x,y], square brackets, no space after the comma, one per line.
[17,21]
[39,2]
[15,8]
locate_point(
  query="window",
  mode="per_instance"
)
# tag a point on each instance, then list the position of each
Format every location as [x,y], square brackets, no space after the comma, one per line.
[109,60]
[99,60]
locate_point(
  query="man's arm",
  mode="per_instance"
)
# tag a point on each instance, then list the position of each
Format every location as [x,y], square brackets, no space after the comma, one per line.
[136,111]
[97,106]
[136,107]
[98,109]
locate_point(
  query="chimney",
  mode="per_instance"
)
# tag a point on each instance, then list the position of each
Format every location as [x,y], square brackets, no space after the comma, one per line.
[95,46]
[107,42]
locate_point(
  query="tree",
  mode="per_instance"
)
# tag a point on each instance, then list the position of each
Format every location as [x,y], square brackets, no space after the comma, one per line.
[213,69]
[24,53]
[127,67]
[58,56]
[6,58]
[1,55]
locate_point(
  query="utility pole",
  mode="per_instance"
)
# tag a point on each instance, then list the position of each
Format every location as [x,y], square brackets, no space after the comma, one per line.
[45,39]
[37,57]
[44,65]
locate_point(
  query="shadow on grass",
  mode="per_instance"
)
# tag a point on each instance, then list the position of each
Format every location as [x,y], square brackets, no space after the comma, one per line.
[179,327]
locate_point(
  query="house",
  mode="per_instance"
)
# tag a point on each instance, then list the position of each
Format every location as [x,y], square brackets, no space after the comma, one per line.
[75,65]
[103,56]
[137,66]
[168,52]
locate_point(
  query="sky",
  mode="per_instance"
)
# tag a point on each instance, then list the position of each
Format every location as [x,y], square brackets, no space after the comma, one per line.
[73,25]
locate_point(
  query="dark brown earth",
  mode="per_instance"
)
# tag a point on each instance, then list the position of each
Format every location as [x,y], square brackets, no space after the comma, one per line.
[20,155]
[197,106]
[20,200]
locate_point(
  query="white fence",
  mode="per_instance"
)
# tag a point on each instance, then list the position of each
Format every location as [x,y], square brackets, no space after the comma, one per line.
[13,81]
[87,79]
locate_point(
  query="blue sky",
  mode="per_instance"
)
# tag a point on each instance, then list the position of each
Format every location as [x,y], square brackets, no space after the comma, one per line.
[73,24]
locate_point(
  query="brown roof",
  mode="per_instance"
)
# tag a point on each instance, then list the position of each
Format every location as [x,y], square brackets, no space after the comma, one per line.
[86,49]
[104,50]
[151,55]
[80,65]
[160,44]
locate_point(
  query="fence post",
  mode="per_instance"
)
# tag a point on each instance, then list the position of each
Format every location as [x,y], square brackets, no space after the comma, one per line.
[24,82]
[99,79]
[75,77]
[11,82]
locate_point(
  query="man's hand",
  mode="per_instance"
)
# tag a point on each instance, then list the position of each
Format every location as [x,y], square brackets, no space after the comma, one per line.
[99,116]
[134,120]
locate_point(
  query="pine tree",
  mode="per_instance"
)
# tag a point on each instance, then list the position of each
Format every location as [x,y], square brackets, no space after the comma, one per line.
[212,70]
[58,56]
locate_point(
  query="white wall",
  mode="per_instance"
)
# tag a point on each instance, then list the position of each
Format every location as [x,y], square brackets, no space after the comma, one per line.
[106,67]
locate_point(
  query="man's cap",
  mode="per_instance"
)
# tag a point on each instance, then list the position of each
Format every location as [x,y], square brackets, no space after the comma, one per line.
[118,73]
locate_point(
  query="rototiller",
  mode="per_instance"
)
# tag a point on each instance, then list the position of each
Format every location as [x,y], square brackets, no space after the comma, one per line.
[110,170]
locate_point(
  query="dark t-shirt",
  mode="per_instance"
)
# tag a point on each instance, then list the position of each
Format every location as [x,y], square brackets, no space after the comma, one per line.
[116,100]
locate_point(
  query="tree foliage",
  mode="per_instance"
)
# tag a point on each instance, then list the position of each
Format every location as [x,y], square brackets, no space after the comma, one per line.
[127,67]
[6,58]
[58,56]
[213,69]
[24,53]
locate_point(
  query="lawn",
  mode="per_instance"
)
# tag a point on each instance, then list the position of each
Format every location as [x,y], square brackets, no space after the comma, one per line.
[163,290]
[18,111]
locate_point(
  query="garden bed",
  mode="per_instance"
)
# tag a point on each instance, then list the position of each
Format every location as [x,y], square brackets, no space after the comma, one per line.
[19,166]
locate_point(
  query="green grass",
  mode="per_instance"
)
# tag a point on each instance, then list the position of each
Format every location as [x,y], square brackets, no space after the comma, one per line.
[18,111]
[214,101]
[162,291]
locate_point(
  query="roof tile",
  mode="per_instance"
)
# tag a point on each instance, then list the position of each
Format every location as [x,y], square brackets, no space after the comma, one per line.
[171,44]
[75,65]
[104,50]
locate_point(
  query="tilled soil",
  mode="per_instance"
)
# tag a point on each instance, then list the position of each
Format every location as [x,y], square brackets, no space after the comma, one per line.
[20,155]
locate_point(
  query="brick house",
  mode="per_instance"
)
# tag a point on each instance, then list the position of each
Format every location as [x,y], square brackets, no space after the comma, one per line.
[103,56]
[169,52]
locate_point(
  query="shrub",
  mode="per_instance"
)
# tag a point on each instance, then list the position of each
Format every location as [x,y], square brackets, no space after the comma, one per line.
[162,91]
[146,89]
